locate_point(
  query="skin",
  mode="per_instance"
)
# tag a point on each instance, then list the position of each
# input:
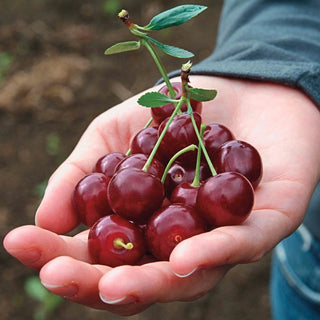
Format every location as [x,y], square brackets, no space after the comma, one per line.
[282,123]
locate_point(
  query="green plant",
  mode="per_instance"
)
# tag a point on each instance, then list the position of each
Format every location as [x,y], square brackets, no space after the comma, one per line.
[53,144]
[169,18]
[6,61]
[47,302]
[111,7]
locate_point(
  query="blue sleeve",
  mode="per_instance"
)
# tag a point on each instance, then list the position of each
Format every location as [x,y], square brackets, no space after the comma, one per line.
[269,40]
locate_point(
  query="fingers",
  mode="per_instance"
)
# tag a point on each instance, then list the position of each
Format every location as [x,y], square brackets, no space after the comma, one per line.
[78,281]
[125,290]
[34,246]
[155,282]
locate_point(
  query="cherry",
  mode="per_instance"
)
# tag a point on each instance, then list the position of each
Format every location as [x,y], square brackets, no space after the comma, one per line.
[179,135]
[225,199]
[90,201]
[169,226]
[178,174]
[108,163]
[214,135]
[135,194]
[239,156]
[185,193]
[138,161]
[114,241]
[161,113]
[144,140]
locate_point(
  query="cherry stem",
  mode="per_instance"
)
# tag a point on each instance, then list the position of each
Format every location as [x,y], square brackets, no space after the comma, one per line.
[160,66]
[196,180]
[203,148]
[192,147]
[156,146]
[133,28]
[185,70]
[146,126]
[118,243]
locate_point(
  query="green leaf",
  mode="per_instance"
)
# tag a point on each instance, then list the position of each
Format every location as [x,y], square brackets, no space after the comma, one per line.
[34,289]
[52,302]
[201,94]
[155,99]
[174,16]
[171,50]
[123,47]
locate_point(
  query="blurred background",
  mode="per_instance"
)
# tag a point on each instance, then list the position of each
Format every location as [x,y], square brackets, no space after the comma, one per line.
[54,79]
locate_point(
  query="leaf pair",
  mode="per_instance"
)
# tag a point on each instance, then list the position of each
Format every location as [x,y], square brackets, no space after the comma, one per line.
[135,45]
[166,19]
[157,99]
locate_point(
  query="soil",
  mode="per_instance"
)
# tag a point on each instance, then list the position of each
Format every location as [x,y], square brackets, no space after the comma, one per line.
[54,80]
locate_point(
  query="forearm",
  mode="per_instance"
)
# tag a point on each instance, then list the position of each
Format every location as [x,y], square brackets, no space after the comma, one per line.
[276,41]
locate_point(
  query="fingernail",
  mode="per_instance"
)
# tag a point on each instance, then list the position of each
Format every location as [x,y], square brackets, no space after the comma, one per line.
[122,300]
[187,274]
[66,291]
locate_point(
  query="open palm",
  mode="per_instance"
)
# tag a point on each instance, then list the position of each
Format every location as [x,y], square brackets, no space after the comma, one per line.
[283,125]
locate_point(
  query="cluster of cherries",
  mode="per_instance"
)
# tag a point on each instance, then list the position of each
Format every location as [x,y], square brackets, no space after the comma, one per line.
[134,210]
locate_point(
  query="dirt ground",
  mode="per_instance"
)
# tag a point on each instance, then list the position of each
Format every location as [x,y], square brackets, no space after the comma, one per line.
[54,79]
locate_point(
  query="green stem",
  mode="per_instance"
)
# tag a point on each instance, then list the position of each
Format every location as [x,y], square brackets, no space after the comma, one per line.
[155,148]
[178,154]
[160,66]
[118,243]
[146,126]
[212,169]
[196,180]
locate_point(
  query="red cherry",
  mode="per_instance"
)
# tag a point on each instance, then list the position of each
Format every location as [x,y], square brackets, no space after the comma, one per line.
[90,200]
[239,156]
[185,193]
[214,136]
[225,199]
[114,241]
[180,134]
[144,140]
[135,194]
[161,113]
[138,161]
[169,226]
[108,163]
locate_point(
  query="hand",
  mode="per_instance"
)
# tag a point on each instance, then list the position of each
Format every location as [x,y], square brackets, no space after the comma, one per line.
[282,123]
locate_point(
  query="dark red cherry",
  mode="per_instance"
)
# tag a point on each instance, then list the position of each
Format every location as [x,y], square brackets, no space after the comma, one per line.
[138,161]
[135,194]
[180,134]
[225,199]
[108,163]
[144,140]
[169,226]
[178,174]
[214,136]
[114,241]
[161,113]
[90,200]
[185,193]
[242,157]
